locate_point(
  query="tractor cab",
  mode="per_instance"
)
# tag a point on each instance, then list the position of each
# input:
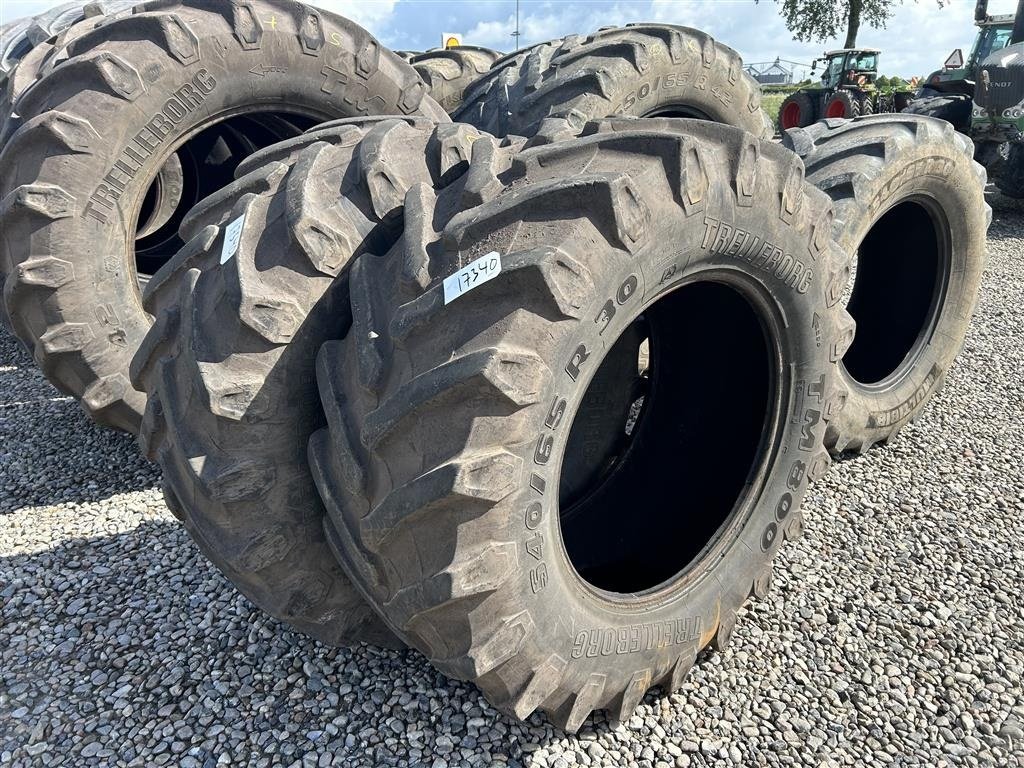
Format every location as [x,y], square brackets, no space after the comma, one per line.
[993,36]
[958,75]
[849,68]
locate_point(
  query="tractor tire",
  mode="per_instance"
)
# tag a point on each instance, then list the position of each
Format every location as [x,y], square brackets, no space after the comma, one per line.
[229,362]
[641,70]
[102,128]
[953,108]
[797,110]
[842,104]
[910,205]
[450,404]
[448,72]
[1010,180]
[867,107]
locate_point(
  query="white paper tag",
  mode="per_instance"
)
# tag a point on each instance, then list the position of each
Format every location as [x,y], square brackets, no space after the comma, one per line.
[232,236]
[474,274]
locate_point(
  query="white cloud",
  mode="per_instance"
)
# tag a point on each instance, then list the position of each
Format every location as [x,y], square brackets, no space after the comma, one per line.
[918,38]
[375,15]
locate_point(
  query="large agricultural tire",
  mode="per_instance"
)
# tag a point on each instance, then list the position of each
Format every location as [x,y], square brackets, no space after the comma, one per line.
[640,70]
[1010,176]
[797,110]
[841,104]
[92,164]
[953,108]
[910,205]
[449,415]
[448,72]
[229,362]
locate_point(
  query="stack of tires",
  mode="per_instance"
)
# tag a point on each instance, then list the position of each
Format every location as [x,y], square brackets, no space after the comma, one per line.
[405,376]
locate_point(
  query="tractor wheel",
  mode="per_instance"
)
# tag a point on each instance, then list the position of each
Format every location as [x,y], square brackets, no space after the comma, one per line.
[953,108]
[640,70]
[797,111]
[228,364]
[866,106]
[910,205]
[143,116]
[1010,180]
[842,104]
[448,72]
[488,418]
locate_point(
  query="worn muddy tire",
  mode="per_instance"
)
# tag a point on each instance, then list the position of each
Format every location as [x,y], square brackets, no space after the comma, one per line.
[229,362]
[99,126]
[910,205]
[953,108]
[448,72]
[640,70]
[1010,176]
[447,422]
[797,110]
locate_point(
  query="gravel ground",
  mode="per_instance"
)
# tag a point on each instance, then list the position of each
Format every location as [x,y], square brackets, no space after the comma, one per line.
[894,633]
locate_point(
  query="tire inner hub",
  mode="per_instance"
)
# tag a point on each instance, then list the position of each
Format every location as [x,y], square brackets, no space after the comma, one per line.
[661,451]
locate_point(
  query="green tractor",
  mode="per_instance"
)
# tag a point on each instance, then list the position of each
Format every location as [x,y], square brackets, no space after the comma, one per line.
[997,119]
[847,89]
[947,93]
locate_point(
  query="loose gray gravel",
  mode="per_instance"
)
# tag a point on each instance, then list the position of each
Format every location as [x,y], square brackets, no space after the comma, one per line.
[894,633]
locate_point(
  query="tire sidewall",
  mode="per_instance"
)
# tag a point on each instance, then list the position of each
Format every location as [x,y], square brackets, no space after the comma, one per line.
[600,636]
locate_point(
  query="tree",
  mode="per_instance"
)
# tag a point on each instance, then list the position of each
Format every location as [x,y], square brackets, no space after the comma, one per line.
[818,20]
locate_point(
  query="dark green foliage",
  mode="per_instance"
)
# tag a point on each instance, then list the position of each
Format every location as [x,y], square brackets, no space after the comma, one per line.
[819,20]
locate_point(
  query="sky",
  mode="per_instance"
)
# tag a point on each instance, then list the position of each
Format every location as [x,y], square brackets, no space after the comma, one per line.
[918,39]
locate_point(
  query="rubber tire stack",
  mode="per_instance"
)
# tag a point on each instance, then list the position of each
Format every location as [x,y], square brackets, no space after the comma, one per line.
[372,456]
[228,363]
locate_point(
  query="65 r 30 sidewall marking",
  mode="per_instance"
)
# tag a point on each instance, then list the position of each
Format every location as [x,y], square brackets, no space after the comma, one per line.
[679,617]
